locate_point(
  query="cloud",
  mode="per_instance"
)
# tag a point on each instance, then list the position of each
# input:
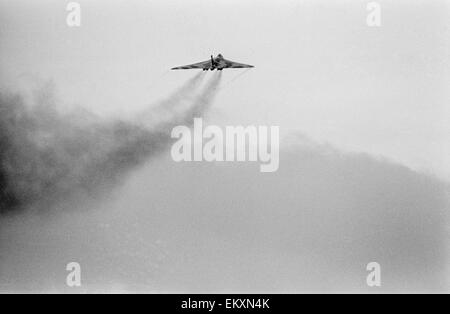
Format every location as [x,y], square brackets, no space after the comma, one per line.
[313,225]
[48,157]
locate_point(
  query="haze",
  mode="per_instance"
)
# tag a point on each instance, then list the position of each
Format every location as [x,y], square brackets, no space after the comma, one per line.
[364,168]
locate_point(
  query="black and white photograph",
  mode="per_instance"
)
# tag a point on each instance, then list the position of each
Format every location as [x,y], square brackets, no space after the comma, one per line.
[210,147]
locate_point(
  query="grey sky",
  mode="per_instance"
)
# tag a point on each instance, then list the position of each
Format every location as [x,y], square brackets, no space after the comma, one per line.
[319,67]
[321,74]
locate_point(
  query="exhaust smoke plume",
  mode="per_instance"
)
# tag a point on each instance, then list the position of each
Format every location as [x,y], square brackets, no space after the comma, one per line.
[47,156]
[180,96]
[203,101]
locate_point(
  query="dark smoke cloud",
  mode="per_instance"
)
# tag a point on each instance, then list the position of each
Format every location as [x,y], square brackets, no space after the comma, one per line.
[47,156]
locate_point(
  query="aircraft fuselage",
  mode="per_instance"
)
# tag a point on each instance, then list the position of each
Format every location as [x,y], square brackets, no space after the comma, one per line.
[217,63]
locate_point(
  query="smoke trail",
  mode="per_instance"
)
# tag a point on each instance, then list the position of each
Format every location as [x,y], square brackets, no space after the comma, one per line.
[234,79]
[163,111]
[183,93]
[46,157]
[195,107]
[204,100]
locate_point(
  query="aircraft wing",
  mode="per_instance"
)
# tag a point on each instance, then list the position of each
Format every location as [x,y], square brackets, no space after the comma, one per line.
[200,65]
[232,64]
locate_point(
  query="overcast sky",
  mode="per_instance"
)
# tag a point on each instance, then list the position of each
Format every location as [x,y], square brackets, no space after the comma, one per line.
[320,71]
[319,68]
